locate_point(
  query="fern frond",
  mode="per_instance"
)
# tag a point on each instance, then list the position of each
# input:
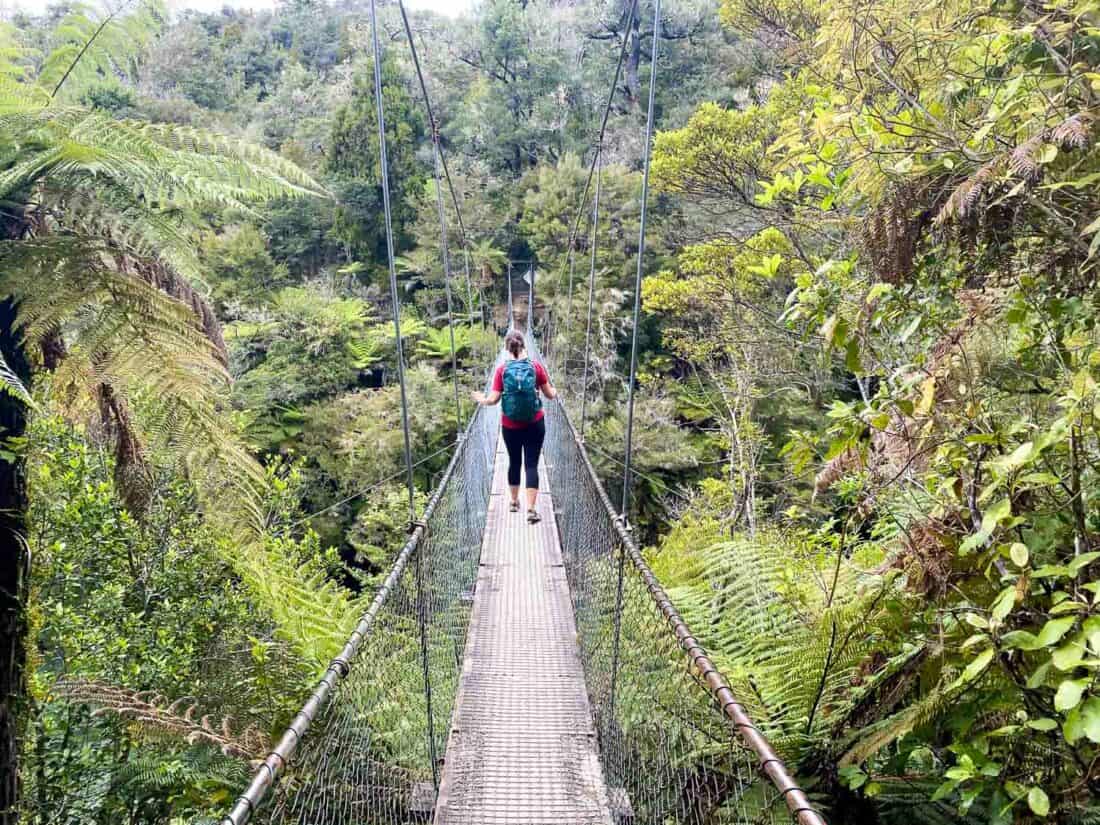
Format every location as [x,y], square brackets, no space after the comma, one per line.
[11,384]
[87,46]
[763,609]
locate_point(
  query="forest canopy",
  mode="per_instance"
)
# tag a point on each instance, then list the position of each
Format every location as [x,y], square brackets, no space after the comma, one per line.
[867,421]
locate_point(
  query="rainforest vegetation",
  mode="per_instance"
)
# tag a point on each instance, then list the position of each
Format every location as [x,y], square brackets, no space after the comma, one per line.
[868,450]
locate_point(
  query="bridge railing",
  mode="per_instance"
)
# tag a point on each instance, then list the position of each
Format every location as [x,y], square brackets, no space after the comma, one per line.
[365,748]
[675,743]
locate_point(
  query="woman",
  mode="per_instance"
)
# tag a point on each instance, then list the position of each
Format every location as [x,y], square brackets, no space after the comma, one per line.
[517,383]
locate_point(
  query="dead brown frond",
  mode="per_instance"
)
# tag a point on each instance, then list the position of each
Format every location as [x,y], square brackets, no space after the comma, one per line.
[892,233]
[837,467]
[177,718]
[896,450]
[1020,165]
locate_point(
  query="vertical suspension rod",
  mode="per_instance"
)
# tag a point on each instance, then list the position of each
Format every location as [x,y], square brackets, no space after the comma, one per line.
[568,323]
[511,311]
[603,121]
[442,159]
[437,157]
[628,447]
[531,301]
[591,285]
[421,599]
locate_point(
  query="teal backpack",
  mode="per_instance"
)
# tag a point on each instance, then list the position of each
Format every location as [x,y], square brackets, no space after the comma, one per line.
[521,399]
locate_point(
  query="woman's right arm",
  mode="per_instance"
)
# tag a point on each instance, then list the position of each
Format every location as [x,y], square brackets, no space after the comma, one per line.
[486,400]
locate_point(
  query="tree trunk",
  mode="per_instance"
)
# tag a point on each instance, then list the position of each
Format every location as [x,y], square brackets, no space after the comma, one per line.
[13,570]
[634,59]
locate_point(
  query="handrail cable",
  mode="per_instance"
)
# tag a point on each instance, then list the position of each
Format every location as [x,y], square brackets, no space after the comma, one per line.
[710,676]
[395,300]
[438,160]
[272,767]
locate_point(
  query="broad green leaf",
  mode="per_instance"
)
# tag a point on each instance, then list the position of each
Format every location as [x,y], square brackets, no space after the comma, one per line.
[1054,630]
[1073,728]
[1090,719]
[976,620]
[993,515]
[1002,605]
[1039,677]
[1038,802]
[977,666]
[1082,561]
[1019,554]
[1044,724]
[1070,654]
[1068,695]
[1019,456]
[1020,639]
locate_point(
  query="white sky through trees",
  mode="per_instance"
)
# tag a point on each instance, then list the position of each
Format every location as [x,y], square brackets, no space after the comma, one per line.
[451,7]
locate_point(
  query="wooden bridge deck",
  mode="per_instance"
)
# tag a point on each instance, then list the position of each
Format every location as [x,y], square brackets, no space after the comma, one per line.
[522,747]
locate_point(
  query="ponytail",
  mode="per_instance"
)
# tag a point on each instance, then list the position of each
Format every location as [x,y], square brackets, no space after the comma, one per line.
[514,343]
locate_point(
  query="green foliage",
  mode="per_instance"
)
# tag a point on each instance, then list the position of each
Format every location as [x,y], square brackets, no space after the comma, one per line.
[381,527]
[242,270]
[154,604]
[356,441]
[307,346]
[353,159]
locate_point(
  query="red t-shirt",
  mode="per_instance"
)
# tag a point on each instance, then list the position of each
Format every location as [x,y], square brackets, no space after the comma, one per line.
[541,380]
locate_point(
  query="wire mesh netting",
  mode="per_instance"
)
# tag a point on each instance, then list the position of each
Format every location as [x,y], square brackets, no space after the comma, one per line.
[668,752]
[372,756]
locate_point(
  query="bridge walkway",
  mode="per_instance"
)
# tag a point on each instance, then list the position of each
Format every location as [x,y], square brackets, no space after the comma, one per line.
[522,747]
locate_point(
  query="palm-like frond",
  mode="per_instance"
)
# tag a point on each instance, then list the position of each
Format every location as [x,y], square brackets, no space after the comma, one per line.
[436,343]
[107,258]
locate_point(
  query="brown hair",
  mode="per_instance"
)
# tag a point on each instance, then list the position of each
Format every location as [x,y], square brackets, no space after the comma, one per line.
[514,343]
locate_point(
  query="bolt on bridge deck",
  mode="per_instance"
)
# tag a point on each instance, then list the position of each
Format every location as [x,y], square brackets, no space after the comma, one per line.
[522,747]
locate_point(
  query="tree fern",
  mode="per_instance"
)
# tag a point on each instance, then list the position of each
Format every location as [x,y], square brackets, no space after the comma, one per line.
[104,255]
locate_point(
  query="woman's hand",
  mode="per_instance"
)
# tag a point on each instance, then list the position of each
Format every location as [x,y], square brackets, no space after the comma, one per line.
[479,397]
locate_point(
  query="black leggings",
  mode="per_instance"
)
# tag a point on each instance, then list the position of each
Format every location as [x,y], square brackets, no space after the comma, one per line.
[528,442]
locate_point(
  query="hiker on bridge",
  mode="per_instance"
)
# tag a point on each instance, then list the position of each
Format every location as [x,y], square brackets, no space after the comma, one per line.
[517,384]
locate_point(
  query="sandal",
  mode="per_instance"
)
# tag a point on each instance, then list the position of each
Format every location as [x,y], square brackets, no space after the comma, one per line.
[513,507]
[533,517]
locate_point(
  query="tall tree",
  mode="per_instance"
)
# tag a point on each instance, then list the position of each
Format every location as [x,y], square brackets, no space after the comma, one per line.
[353,162]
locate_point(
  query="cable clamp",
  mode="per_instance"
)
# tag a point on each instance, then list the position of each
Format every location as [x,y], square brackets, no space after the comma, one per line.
[412,526]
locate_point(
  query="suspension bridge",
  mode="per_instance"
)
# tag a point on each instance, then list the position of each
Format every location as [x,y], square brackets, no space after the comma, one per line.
[515,674]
